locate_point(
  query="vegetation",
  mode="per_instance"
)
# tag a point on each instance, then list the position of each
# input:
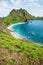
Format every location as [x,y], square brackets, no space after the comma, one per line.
[16,16]
[14,51]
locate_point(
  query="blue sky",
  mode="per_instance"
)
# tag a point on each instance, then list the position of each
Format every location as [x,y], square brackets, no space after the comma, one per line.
[34,7]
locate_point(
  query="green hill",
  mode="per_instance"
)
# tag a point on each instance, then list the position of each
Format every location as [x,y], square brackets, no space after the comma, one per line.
[17,16]
[14,51]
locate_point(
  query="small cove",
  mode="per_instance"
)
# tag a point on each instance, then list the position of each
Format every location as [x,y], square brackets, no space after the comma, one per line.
[32,31]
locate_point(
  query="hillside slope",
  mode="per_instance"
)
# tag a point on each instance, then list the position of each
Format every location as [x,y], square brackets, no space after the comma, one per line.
[17,16]
[19,52]
[14,51]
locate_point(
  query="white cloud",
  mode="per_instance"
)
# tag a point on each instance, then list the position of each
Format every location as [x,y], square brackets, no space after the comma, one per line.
[3,12]
[34,2]
[16,2]
[12,1]
[33,6]
[3,4]
[4,8]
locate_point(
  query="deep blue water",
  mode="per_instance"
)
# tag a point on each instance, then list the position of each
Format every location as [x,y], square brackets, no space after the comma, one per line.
[32,31]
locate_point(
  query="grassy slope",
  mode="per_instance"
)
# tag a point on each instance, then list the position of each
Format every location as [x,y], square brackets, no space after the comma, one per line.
[16,16]
[21,47]
[18,52]
[9,46]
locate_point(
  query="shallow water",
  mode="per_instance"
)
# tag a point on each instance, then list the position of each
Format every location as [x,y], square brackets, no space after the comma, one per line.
[32,31]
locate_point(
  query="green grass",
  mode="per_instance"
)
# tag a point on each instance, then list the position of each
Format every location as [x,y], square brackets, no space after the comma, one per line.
[12,45]
[14,51]
[19,46]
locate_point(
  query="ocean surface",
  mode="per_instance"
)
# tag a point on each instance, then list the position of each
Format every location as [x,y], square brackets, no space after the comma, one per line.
[32,31]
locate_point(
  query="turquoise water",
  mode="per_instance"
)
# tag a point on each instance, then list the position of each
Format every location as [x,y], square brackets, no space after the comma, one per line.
[32,31]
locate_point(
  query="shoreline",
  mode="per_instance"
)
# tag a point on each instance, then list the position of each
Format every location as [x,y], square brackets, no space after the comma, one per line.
[14,33]
[9,27]
[18,36]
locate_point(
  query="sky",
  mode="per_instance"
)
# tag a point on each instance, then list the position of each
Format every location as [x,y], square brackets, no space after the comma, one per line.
[34,7]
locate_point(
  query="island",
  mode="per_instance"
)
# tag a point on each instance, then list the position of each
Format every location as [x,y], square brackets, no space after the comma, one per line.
[16,51]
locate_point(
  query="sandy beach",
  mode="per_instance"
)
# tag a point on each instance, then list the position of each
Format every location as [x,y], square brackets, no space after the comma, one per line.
[14,33]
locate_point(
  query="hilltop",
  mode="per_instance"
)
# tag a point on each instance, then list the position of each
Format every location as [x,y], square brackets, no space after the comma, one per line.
[17,16]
